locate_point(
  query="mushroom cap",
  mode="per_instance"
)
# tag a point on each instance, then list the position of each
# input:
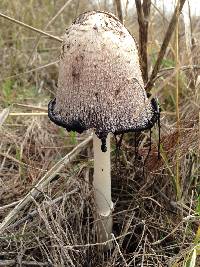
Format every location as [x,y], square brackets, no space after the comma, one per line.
[100,84]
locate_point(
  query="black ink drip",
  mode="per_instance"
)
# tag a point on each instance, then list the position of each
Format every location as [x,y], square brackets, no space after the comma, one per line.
[159,128]
[103,144]
[157,108]
[150,143]
[149,151]
[136,146]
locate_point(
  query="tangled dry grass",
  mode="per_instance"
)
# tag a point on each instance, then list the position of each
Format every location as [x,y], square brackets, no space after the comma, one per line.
[153,224]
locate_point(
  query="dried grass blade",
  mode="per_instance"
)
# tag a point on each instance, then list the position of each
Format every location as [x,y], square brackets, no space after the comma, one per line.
[187,25]
[143,13]
[28,114]
[177,179]
[37,189]
[29,71]
[48,24]
[3,115]
[31,27]
[31,107]
[119,9]
[165,44]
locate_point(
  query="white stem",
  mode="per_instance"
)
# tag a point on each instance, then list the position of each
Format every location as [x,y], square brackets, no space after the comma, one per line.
[102,189]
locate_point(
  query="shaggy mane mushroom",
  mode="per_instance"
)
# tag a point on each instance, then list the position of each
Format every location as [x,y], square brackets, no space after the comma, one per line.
[100,87]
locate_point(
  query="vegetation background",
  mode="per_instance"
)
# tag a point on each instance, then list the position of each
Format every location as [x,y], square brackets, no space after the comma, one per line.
[157,202]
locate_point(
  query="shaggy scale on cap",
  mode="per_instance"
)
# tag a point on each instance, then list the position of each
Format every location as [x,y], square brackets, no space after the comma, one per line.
[100,84]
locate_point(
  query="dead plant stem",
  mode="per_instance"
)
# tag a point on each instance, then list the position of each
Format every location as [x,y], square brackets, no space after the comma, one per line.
[164,45]
[143,13]
[178,187]
[119,9]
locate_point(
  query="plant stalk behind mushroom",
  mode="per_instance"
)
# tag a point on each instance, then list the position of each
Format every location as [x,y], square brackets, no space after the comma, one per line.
[100,87]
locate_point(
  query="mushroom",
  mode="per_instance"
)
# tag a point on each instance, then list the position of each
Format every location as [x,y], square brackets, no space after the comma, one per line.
[100,87]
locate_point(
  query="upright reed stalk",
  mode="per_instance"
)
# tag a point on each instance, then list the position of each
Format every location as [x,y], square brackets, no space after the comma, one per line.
[178,188]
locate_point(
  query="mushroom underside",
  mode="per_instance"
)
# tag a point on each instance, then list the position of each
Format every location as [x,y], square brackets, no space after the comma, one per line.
[78,125]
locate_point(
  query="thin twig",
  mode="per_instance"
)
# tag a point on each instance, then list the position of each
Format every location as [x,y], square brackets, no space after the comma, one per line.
[21,163]
[165,44]
[171,233]
[38,188]
[165,70]
[98,243]
[160,13]
[187,67]
[31,107]
[29,71]
[10,205]
[31,27]
[119,250]
[174,204]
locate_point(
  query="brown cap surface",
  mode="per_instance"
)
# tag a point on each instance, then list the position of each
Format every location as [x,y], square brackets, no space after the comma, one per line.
[100,84]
